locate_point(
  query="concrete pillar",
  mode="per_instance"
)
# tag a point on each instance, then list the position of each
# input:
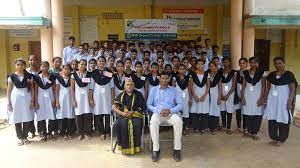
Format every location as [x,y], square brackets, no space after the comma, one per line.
[76,24]
[236,23]
[46,45]
[57,10]
[248,42]
[4,68]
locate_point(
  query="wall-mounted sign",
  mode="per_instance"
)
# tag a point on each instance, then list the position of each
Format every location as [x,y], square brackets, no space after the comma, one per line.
[150,29]
[23,33]
[187,19]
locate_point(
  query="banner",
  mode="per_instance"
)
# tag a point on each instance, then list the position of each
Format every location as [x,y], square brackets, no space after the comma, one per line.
[187,19]
[150,29]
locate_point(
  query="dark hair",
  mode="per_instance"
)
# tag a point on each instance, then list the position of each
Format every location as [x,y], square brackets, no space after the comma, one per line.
[102,58]
[81,45]
[175,57]
[147,52]
[181,65]
[128,59]
[45,62]
[206,39]
[171,52]
[146,60]
[141,43]
[226,58]
[193,58]
[200,60]
[82,60]
[93,60]
[74,60]
[159,52]
[120,62]
[67,65]
[138,63]
[32,55]
[197,46]
[215,58]
[279,59]
[168,65]
[154,64]
[55,58]
[164,73]
[134,50]
[254,59]
[243,59]
[109,58]
[202,53]
[131,44]
[20,60]
[212,64]
[72,38]
[215,46]
[185,58]
[96,41]
[160,58]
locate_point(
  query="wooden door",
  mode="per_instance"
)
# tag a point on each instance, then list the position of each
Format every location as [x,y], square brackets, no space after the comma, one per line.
[34,48]
[262,52]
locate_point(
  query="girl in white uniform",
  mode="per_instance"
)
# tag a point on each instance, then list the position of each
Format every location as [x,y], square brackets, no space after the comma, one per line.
[45,102]
[280,92]
[153,77]
[228,88]
[119,78]
[243,63]
[20,96]
[252,97]
[181,82]
[65,112]
[199,85]
[139,79]
[33,69]
[215,96]
[102,97]
[80,92]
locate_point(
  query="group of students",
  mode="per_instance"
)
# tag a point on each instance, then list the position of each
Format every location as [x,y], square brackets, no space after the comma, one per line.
[77,93]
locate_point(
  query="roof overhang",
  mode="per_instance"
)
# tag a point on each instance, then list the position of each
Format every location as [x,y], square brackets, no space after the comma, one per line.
[24,22]
[267,21]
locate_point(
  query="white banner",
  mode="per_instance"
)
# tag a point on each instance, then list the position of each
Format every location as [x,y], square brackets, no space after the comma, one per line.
[187,19]
[88,29]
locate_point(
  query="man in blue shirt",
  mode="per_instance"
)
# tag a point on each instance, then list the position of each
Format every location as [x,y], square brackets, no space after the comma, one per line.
[69,51]
[165,102]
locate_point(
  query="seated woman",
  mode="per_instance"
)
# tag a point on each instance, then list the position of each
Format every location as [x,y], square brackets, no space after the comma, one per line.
[129,105]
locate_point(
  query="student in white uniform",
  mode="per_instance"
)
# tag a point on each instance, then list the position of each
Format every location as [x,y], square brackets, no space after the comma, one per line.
[92,65]
[33,69]
[70,51]
[215,97]
[153,77]
[228,88]
[45,102]
[160,62]
[65,112]
[111,64]
[199,85]
[102,96]
[119,78]
[253,97]
[146,66]
[82,54]
[181,82]
[243,64]
[139,79]
[20,96]
[280,92]
[80,86]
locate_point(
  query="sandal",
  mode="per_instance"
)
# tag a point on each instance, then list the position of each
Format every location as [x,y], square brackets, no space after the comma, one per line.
[229,132]
[26,141]
[20,142]
[102,136]
[237,131]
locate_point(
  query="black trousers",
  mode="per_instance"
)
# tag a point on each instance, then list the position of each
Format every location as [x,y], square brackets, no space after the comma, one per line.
[213,122]
[42,127]
[204,121]
[186,122]
[239,118]
[253,123]
[22,129]
[226,119]
[102,123]
[65,126]
[32,129]
[52,126]
[278,131]
[195,120]
[84,123]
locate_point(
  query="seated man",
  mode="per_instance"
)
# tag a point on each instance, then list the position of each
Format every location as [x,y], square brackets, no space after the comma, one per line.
[129,105]
[165,102]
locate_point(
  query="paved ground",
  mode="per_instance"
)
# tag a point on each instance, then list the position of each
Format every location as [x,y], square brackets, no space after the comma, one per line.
[199,151]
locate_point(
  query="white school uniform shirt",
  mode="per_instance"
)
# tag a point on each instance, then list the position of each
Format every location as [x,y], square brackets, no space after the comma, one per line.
[68,54]
[209,52]
[200,107]
[153,56]
[66,110]
[79,56]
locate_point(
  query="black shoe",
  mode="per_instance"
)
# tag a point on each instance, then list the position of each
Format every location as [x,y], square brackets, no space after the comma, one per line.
[177,155]
[155,156]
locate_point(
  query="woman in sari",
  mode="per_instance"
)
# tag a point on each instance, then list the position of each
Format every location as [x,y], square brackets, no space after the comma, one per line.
[129,106]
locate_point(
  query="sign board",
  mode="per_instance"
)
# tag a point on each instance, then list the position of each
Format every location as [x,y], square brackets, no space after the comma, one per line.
[23,33]
[150,29]
[186,19]
[88,29]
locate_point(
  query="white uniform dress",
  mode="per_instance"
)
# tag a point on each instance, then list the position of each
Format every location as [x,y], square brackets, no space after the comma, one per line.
[214,108]
[66,110]
[277,104]
[45,99]
[228,105]
[185,97]
[82,97]
[20,100]
[121,82]
[200,107]
[102,98]
[252,94]
[149,85]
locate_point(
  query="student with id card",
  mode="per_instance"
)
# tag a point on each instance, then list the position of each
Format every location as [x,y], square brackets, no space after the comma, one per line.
[280,92]
[139,79]
[102,96]
[45,102]
[252,97]
[80,86]
[228,88]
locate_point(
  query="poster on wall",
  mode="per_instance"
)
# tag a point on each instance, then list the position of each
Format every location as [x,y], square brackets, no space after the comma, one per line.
[150,29]
[88,29]
[226,30]
[23,33]
[68,28]
[186,19]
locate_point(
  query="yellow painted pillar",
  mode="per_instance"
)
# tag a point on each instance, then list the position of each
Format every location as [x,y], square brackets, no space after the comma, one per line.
[4,59]
[46,44]
[248,42]
[76,24]
[236,23]
[57,12]
[220,16]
